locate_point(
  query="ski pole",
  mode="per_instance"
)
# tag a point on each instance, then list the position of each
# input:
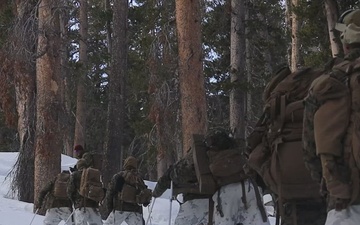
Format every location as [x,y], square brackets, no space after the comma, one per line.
[72,213]
[34,216]
[151,208]
[171,198]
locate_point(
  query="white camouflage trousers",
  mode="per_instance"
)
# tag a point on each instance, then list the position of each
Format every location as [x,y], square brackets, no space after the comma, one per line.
[87,215]
[348,216]
[117,217]
[233,208]
[193,212]
[54,216]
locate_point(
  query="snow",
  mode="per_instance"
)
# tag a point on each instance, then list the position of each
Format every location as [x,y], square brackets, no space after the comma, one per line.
[14,212]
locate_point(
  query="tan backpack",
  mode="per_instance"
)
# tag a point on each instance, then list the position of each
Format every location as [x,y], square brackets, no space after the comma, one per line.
[134,190]
[91,186]
[275,147]
[341,84]
[216,168]
[60,185]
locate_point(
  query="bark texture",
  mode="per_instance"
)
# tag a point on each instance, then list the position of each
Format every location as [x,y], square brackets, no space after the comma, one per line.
[332,16]
[48,141]
[237,69]
[192,89]
[116,109]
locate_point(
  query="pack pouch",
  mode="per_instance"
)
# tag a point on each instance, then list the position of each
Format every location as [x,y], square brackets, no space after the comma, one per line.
[60,185]
[91,186]
[225,163]
[144,197]
[128,194]
[287,176]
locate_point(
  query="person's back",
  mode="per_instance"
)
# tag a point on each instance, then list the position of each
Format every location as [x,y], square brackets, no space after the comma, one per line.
[331,131]
[275,149]
[86,210]
[57,204]
[237,199]
[126,194]
[195,205]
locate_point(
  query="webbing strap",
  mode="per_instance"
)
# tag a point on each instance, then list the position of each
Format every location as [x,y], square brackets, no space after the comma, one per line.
[259,201]
[243,197]
[277,221]
[211,211]
[282,112]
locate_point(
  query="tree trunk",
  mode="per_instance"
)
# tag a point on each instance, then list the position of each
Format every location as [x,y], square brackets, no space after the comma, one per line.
[116,109]
[67,118]
[332,16]
[48,141]
[192,89]
[295,45]
[288,27]
[80,124]
[108,26]
[24,77]
[237,69]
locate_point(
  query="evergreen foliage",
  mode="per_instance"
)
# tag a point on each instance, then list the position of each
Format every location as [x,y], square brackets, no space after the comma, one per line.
[152,80]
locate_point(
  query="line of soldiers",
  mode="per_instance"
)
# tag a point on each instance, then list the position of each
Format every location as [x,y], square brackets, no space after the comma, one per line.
[330,126]
[121,196]
[329,129]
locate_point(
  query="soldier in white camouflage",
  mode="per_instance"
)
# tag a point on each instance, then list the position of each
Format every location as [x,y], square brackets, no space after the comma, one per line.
[86,210]
[237,201]
[122,195]
[57,209]
[194,210]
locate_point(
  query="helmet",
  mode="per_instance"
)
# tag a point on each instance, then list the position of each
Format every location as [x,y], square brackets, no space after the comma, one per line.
[219,140]
[130,162]
[351,34]
[349,25]
[350,16]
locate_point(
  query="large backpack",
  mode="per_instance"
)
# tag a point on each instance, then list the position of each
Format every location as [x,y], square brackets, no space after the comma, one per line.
[341,83]
[134,190]
[275,146]
[216,168]
[91,186]
[60,185]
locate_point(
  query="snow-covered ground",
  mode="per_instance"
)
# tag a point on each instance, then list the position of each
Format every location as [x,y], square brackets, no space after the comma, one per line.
[14,212]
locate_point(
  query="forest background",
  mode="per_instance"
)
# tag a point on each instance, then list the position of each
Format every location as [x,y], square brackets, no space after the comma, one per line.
[140,77]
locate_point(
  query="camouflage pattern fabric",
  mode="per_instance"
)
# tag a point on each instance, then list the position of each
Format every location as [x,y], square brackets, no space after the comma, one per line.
[73,192]
[87,215]
[117,217]
[313,213]
[311,160]
[349,216]
[193,212]
[50,200]
[111,197]
[182,173]
[229,207]
[319,103]
[87,156]
[55,215]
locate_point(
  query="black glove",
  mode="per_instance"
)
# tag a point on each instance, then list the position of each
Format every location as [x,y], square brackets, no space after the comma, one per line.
[146,204]
[73,169]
